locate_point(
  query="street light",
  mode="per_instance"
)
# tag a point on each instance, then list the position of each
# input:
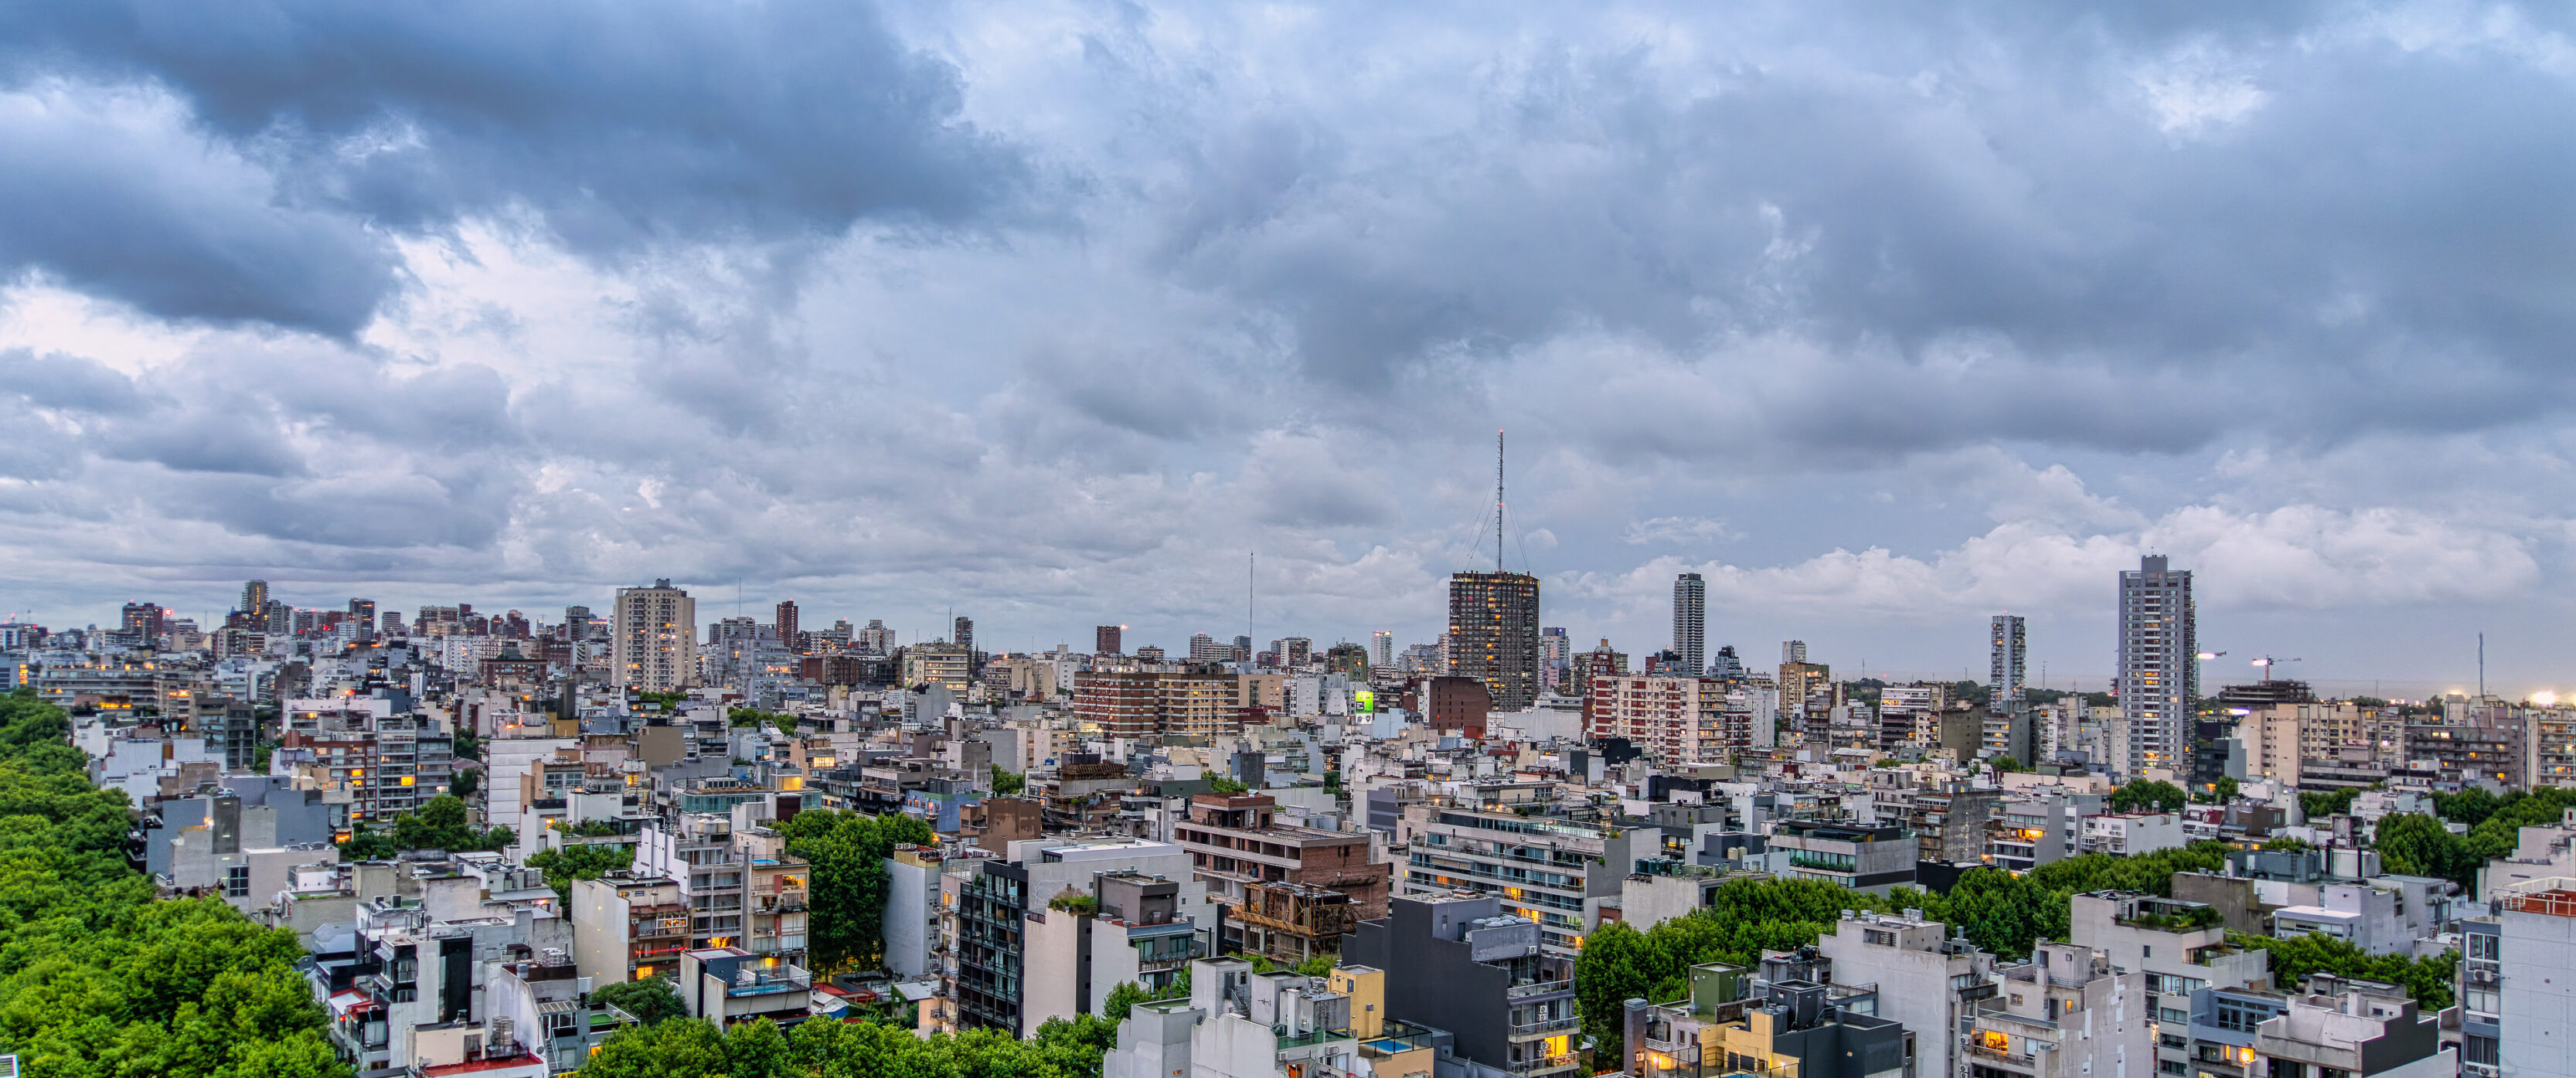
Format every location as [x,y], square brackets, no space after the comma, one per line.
[2204,657]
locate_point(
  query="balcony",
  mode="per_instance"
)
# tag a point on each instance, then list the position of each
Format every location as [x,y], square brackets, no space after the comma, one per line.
[753,982]
[1544,1025]
[1542,1064]
[1538,988]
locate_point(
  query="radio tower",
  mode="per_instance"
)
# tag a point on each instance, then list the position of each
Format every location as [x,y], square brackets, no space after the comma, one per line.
[1498,501]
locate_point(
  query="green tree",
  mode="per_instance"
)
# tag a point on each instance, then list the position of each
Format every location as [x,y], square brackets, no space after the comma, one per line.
[847,852]
[2318,806]
[2156,795]
[651,1000]
[99,980]
[2413,844]
[588,861]
[1008,783]
[2295,957]
[1223,785]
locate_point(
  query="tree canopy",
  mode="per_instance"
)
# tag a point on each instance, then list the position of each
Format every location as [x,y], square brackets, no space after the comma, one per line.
[651,1000]
[439,824]
[2148,794]
[587,861]
[101,981]
[1061,1049]
[847,852]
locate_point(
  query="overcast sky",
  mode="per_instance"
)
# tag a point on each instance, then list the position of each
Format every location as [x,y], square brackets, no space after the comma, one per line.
[1885,317]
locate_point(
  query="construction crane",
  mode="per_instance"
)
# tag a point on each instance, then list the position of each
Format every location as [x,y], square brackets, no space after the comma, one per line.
[2268,663]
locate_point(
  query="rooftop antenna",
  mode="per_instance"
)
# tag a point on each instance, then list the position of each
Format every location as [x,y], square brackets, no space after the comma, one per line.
[2482,666]
[1498,508]
[1251,572]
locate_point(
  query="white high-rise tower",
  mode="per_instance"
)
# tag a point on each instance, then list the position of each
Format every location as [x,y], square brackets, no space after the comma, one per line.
[2158,679]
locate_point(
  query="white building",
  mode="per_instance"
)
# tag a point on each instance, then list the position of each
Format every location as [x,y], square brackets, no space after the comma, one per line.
[1926,981]
[655,631]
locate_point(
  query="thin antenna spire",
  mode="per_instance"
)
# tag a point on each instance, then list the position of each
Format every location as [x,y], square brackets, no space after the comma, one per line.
[1498,502]
[1251,570]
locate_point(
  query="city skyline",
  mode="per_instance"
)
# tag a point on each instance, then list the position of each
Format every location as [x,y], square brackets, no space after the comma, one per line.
[1060,335]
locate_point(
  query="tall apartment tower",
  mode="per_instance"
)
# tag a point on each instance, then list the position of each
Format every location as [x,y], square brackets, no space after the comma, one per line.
[363,611]
[786,624]
[1105,640]
[1793,651]
[1690,623]
[254,600]
[2009,661]
[2158,677]
[656,638]
[1493,634]
[1381,648]
[142,619]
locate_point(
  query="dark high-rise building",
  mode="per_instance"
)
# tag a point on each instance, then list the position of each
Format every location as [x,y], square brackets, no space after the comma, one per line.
[787,624]
[2008,664]
[1493,634]
[964,634]
[254,599]
[1690,623]
[1104,640]
[143,620]
[363,612]
[2158,669]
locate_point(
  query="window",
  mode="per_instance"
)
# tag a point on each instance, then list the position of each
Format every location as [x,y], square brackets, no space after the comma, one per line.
[237,881]
[2176,1066]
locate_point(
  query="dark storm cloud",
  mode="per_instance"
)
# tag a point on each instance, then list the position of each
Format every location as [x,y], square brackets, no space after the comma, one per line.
[623,124]
[2293,203]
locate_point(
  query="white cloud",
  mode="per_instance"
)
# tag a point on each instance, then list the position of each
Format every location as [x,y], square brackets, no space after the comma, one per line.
[1685,530]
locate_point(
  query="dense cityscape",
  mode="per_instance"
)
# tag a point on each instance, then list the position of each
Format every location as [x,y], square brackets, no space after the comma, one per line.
[620,841]
[1299,539]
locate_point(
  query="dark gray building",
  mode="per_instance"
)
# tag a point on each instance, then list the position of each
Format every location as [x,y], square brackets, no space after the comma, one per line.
[1790,1018]
[1457,962]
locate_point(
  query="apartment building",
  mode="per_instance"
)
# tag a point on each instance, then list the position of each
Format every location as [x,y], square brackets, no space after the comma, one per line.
[2179,947]
[742,888]
[1784,1021]
[1237,845]
[1011,955]
[1240,1024]
[1457,962]
[2066,1013]
[1547,870]
[1928,982]
[655,638]
[2351,1027]
[628,927]
[1858,856]
[1143,704]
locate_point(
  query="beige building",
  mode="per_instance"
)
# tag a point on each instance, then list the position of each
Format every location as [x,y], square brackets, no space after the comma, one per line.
[947,665]
[656,638]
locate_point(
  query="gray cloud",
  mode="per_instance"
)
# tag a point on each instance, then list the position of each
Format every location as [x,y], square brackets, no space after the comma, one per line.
[621,125]
[1053,310]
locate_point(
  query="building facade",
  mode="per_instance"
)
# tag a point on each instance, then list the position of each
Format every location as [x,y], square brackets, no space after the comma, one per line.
[2158,666]
[1493,634]
[656,634]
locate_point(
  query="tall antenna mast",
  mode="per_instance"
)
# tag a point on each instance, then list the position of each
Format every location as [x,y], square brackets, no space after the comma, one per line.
[1251,570]
[1498,502]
